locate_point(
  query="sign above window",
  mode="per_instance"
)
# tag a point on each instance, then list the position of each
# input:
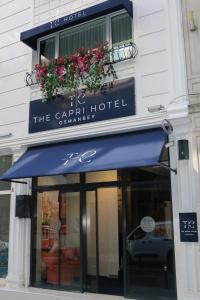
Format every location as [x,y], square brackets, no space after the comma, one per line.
[30,37]
[80,108]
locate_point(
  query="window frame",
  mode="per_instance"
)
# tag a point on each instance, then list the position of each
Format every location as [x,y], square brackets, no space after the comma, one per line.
[7,193]
[108,19]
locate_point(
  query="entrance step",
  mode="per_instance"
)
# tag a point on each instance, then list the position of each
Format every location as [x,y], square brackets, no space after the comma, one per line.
[43,294]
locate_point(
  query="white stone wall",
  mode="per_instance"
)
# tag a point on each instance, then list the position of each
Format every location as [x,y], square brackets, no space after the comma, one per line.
[160,76]
[15,16]
[185,186]
[185,197]
[191,24]
[157,69]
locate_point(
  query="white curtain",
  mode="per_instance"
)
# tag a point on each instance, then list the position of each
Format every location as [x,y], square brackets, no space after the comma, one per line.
[85,35]
[121,29]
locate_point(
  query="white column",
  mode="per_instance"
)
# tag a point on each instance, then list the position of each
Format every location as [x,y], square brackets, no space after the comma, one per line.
[185,195]
[19,237]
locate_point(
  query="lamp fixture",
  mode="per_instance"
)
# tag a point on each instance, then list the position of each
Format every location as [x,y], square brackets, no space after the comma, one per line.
[170,144]
[6,135]
[167,126]
[191,21]
[155,108]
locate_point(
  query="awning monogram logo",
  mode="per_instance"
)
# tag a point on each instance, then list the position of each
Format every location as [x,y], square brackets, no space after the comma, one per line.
[83,158]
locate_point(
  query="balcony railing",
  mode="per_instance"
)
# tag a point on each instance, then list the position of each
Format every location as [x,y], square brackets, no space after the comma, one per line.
[124,51]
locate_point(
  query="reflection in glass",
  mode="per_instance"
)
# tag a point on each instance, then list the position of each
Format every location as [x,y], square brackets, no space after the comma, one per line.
[4,233]
[84,36]
[58,240]
[104,255]
[47,50]
[59,179]
[149,239]
[91,242]
[5,163]
[102,176]
[121,37]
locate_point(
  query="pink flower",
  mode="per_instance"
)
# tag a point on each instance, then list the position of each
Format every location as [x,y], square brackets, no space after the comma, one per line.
[61,70]
[58,60]
[55,71]
[61,78]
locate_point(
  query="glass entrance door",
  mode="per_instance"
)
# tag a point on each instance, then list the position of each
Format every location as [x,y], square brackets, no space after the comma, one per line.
[106,233]
[150,272]
[57,240]
[103,241]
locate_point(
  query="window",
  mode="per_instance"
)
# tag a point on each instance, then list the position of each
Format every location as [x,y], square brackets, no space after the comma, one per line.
[121,26]
[5,162]
[47,50]
[115,28]
[85,36]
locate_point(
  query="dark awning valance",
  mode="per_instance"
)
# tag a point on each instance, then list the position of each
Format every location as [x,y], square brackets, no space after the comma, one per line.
[30,37]
[138,149]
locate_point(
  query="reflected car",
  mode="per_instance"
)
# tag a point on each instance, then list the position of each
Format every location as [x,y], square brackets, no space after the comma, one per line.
[3,258]
[155,247]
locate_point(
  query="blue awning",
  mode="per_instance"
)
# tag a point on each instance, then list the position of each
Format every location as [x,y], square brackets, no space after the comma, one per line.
[30,37]
[138,149]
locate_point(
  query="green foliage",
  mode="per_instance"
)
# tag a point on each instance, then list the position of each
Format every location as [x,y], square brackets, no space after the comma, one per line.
[89,69]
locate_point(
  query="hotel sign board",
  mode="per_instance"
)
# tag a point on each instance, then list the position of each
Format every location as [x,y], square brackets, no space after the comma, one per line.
[188,227]
[74,109]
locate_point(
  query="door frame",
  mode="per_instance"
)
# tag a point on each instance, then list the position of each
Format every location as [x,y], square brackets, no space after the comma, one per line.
[82,188]
[84,237]
[83,232]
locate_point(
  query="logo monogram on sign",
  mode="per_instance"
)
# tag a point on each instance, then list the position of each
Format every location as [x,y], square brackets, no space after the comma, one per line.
[83,158]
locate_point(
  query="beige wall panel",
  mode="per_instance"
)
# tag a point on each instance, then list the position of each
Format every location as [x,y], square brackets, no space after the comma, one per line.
[11,36]
[12,82]
[13,7]
[155,84]
[14,97]
[18,130]
[13,114]
[161,99]
[12,66]
[12,51]
[153,22]
[151,43]
[146,9]
[154,63]
[23,18]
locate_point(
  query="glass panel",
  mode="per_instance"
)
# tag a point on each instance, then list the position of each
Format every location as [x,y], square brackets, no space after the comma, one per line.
[149,239]
[57,240]
[121,29]
[103,176]
[86,35]
[91,242]
[5,163]
[109,202]
[121,36]
[59,179]
[4,233]
[47,50]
